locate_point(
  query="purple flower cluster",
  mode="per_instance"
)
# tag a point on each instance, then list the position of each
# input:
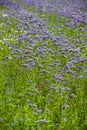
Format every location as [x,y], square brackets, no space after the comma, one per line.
[34,37]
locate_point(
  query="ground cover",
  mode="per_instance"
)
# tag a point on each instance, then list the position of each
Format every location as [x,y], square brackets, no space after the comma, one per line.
[43,70]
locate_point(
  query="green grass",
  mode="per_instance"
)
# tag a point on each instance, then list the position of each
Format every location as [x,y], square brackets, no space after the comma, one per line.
[24,104]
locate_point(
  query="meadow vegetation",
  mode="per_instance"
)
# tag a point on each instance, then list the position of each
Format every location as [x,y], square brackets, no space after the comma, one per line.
[43,71]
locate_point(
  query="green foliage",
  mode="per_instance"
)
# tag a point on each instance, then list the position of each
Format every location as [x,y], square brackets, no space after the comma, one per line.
[24,104]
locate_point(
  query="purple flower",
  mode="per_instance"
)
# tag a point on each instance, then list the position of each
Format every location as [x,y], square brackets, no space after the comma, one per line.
[80,77]
[1,119]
